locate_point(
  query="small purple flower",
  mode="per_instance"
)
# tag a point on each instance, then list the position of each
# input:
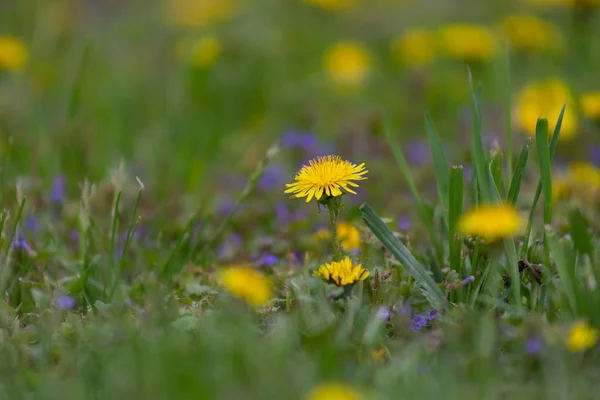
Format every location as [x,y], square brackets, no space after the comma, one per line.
[74,235]
[299,140]
[594,155]
[65,302]
[418,322]
[268,259]
[58,190]
[21,243]
[432,315]
[273,177]
[418,153]
[384,313]
[226,206]
[533,346]
[467,280]
[31,224]
[404,223]
[468,172]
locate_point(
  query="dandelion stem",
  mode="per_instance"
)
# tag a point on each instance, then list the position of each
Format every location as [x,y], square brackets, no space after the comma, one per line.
[333,207]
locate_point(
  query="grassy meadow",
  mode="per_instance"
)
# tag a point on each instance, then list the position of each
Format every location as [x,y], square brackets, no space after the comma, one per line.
[299,199]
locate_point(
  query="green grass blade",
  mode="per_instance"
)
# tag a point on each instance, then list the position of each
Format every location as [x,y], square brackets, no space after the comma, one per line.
[454,213]
[440,163]
[565,271]
[401,253]
[543,150]
[515,183]
[538,192]
[508,112]
[496,170]
[477,143]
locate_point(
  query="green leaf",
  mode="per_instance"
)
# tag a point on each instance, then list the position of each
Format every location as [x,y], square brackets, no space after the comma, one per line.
[515,183]
[579,232]
[401,253]
[496,170]
[440,163]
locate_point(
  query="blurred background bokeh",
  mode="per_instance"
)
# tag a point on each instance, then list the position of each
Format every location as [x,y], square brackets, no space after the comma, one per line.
[188,95]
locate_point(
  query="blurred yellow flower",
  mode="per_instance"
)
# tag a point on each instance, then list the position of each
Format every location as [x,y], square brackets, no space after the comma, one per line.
[201,52]
[333,5]
[333,391]
[545,99]
[13,53]
[200,13]
[528,33]
[326,176]
[247,284]
[584,178]
[560,188]
[347,233]
[590,105]
[348,64]
[581,337]
[491,222]
[341,273]
[414,48]
[468,42]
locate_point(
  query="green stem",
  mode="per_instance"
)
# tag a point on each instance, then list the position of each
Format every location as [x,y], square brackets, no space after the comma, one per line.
[333,218]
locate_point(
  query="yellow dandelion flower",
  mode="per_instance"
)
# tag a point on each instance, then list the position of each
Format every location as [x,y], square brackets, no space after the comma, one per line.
[202,52]
[335,6]
[414,48]
[590,105]
[545,99]
[528,32]
[247,284]
[468,42]
[583,178]
[560,188]
[491,222]
[326,176]
[200,13]
[341,273]
[333,391]
[347,233]
[347,64]
[581,337]
[13,53]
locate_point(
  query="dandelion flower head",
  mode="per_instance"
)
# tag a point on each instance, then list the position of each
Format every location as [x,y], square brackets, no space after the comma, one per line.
[528,32]
[341,273]
[581,337]
[415,48]
[326,176]
[347,64]
[13,53]
[545,99]
[333,391]
[491,222]
[247,284]
[348,235]
[468,42]
[590,105]
[200,13]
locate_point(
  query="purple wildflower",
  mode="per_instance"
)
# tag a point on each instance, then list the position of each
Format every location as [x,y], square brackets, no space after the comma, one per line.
[21,243]
[404,223]
[468,172]
[299,140]
[58,190]
[432,315]
[226,206]
[65,302]
[418,153]
[273,177]
[268,259]
[467,280]
[418,322]
[31,224]
[533,346]
[384,313]
[594,155]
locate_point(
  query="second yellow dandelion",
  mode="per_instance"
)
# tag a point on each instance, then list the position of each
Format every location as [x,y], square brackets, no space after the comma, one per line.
[491,222]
